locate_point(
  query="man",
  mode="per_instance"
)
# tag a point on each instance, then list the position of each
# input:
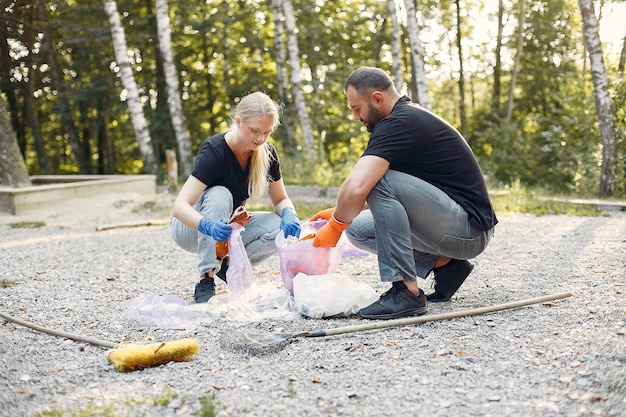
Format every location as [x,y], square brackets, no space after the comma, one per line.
[416,197]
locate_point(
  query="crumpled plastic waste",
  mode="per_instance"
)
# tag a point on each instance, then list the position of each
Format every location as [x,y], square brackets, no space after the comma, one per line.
[330,295]
[166,312]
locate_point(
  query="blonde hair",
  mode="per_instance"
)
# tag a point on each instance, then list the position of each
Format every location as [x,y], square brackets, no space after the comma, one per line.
[254,105]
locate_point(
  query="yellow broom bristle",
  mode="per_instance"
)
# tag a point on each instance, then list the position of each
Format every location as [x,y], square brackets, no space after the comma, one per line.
[133,358]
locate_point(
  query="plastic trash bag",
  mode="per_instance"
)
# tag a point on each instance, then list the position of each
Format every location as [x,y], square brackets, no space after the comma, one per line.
[166,312]
[240,279]
[272,304]
[299,256]
[330,295]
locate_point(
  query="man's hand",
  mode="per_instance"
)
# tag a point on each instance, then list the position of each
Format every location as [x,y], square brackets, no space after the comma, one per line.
[220,231]
[324,214]
[290,224]
[329,234]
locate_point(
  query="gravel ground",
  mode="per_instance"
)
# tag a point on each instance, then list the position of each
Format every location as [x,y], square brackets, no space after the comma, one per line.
[563,358]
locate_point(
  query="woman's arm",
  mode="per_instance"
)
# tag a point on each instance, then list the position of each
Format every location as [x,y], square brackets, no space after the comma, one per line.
[278,196]
[183,205]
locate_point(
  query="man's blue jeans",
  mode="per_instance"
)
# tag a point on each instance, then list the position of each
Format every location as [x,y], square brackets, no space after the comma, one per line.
[410,224]
[216,203]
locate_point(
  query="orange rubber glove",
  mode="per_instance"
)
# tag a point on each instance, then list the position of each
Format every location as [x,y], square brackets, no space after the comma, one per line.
[329,234]
[324,214]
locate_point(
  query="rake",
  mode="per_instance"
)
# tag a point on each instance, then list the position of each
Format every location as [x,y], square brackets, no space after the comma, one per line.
[265,342]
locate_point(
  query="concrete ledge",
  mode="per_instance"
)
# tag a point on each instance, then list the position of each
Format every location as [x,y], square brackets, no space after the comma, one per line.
[49,189]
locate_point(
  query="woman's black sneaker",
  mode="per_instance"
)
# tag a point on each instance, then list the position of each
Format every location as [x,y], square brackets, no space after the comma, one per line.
[448,279]
[205,289]
[397,302]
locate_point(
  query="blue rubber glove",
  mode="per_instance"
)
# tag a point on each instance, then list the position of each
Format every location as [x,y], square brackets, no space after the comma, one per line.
[290,224]
[219,231]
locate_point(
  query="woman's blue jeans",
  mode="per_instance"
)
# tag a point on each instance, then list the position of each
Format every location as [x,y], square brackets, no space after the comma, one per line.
[410,224]
[216,203]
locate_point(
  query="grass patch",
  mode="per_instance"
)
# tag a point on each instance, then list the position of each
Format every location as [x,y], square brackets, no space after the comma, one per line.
[5,283]
[89,411]
[208,406]
[27,225]
[518,199]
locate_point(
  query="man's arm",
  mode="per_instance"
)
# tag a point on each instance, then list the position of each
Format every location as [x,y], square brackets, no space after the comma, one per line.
[364,176]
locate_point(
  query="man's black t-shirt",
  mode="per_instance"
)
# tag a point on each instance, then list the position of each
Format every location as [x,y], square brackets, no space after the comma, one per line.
[417,142]
[216,164]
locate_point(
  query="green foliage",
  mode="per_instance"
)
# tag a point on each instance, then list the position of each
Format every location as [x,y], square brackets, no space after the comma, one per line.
[5,283]
[223,51]
[209,406]
[27,225]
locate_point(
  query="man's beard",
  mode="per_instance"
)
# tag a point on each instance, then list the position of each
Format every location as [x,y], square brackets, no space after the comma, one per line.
[374,117]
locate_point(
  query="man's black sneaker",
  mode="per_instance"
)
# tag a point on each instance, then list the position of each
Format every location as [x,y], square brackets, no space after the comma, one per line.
[448,279]
[205,289]
[397,302]
[223,268]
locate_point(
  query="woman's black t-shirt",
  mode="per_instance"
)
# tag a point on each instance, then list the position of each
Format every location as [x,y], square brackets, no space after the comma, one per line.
[417,142]
[216,164]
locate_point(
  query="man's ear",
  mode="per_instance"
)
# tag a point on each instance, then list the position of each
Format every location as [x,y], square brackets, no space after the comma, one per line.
[377,98]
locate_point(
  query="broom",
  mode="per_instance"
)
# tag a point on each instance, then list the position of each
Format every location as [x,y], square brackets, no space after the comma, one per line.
[128,357]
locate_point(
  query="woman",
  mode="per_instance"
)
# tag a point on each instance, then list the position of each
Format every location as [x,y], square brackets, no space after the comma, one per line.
[231,168]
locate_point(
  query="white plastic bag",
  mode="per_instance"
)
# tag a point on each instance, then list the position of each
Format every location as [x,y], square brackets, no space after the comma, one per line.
[330,295]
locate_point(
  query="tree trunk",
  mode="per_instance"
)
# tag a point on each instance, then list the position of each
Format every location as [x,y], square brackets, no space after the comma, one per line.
[31,113]
[396,59]
[280,56]
[518,58]
[461,72]
[135,107]
[608,174]
[13,171]
[497,68]
[59,85]
[294,58]
[417,56]
[171,77]
[622,58]
[9,89]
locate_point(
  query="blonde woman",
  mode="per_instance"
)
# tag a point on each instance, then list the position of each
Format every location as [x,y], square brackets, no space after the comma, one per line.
[232,168]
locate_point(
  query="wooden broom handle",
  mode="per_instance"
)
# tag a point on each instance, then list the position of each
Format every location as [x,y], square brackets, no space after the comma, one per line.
[435,317]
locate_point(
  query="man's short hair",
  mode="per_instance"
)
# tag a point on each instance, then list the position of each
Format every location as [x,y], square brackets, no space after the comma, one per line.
[368,78]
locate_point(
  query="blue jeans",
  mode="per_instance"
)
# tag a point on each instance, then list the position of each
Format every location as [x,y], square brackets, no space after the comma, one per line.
[217,203]
[410,224]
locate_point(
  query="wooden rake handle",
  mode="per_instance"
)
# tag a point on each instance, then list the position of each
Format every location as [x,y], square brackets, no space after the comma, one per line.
[435,317]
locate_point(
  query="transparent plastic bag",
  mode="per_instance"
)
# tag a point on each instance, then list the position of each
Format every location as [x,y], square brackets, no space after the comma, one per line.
[166,312]
[299,256]
[242,287]
[330,295]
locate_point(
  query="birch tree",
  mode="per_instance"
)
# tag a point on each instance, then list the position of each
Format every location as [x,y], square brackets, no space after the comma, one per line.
[296,87]
[608,173]
[135,107]
[417,56]
[282,77]
[171,78]
[518,58]
[396,60]
[497,68]
[459,46]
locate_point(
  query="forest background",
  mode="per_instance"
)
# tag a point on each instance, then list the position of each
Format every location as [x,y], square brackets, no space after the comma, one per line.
[112,87]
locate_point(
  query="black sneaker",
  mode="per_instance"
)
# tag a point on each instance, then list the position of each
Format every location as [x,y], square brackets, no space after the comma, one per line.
[223,268]
[397,302]
[448,279]
[205,289]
